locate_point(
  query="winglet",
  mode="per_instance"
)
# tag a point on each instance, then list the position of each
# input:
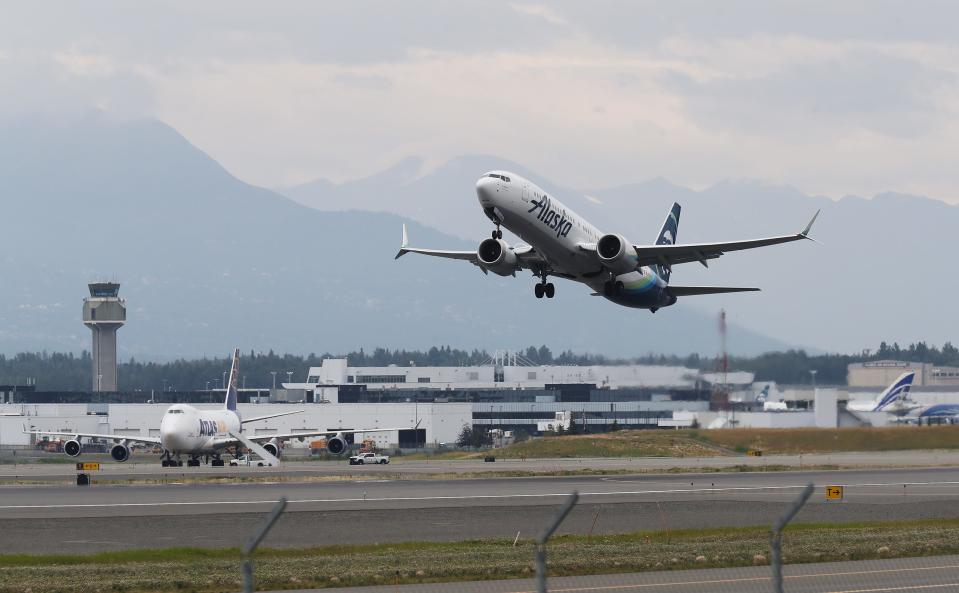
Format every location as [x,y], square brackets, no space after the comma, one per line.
[805,231]
[404,245]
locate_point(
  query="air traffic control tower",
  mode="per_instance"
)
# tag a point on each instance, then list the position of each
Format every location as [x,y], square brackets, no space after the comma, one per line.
[104,313]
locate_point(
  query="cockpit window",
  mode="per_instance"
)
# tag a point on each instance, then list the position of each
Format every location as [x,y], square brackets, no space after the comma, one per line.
[496,176]
[174,411]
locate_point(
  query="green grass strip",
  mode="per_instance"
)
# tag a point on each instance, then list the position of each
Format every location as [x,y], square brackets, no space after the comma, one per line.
[213,571]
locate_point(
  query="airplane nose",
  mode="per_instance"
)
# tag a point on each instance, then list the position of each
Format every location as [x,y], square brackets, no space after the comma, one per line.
[485,190]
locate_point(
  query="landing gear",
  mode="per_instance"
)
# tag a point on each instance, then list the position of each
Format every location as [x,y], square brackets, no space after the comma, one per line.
[217,461]
[544,289]
[497,234]
[193,461]
[168,461]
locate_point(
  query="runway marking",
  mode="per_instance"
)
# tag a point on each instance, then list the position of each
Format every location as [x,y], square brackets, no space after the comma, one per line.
[904,588]
[461,497]
[754,579]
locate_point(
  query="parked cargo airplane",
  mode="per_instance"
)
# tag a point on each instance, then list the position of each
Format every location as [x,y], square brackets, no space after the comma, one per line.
[563,244]
[185,430]
[894,399]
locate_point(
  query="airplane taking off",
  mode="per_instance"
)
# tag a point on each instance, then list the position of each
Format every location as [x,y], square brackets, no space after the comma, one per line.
[563,244]
[185,430]
[894,399]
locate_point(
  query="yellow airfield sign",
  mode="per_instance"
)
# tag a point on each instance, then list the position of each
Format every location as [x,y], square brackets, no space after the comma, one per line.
[88,467]
[834,492]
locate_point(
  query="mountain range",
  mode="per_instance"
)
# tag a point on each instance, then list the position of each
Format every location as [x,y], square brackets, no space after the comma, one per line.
[207,261]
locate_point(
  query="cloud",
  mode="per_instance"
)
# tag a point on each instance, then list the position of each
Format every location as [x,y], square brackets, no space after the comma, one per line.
[822,96]
[540,11]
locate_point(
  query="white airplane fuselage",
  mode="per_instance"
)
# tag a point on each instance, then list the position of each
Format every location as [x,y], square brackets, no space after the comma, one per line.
[556,232]
[188,430]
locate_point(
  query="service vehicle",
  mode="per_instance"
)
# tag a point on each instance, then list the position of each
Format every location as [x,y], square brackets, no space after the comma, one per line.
[369,458]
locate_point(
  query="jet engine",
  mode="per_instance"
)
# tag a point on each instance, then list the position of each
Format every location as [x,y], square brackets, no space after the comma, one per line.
[273,448]
[120,452]
[617,254]
[337,445]
[72,448]
[496,256]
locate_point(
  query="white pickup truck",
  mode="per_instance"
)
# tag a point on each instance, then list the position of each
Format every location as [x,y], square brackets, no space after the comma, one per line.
[369,458]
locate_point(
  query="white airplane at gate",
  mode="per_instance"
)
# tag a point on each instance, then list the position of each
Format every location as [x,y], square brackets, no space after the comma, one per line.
[563,244]
[207,434]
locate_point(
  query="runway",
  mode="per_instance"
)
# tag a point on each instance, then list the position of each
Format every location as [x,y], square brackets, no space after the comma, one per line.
[44,519]
[934,574]
[148,467]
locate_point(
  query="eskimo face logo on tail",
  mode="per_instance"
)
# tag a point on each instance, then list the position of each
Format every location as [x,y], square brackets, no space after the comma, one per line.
[550,217]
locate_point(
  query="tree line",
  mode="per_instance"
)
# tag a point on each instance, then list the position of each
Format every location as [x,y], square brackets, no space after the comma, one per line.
[71,372]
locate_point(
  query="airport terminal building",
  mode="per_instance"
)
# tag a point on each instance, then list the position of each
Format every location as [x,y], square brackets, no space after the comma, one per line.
[442,400]
[501,395]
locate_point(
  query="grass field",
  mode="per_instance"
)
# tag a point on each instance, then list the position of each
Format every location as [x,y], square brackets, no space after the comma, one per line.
[822,440]
[626,443]
[208,571]
[710,443]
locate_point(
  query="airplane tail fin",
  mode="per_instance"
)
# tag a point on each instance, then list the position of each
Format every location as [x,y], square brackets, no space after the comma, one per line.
[763,395]
[230,402]
[899,390]
[667,236]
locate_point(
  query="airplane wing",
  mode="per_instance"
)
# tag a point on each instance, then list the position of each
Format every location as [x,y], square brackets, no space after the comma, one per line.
[268,416]
[316,433]
[681,291]
[526,256]
[90,435]
[669,255]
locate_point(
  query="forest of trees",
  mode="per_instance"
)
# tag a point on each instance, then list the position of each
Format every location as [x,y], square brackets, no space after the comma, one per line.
[70,372]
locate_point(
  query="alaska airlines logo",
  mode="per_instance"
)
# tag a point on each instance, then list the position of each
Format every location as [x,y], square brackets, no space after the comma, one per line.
[667,237]
[550,217]
[209,428]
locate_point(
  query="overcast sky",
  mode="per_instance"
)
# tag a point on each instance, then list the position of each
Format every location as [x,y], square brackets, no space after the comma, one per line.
[832,97]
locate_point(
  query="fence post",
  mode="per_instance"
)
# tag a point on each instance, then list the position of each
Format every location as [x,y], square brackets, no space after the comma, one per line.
[541,541]
[251,545]
[775,538]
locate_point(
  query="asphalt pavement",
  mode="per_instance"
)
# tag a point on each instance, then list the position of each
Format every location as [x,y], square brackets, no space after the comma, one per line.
[147,467]
[53,518]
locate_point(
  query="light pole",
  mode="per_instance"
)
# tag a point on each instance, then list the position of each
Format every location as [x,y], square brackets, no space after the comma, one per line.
[207,385]
[289,376]
[813,373]
[223,384]
[274,379]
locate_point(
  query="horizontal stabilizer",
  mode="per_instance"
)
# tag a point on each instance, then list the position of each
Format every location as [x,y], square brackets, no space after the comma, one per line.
[682,291]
